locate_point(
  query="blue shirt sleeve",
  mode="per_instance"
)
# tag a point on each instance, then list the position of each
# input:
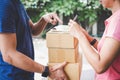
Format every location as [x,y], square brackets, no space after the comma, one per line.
[7,17]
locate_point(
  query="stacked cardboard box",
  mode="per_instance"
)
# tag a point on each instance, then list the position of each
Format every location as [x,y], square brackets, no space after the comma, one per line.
[63,47]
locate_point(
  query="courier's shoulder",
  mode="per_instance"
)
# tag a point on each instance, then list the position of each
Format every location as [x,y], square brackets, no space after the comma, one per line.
[6,3]
[7,6]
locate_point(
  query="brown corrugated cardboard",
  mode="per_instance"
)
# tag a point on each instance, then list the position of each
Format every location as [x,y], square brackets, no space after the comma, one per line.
[58,39]
[62,54]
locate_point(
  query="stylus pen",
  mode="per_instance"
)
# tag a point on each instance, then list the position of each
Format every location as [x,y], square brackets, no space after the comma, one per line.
[75,17]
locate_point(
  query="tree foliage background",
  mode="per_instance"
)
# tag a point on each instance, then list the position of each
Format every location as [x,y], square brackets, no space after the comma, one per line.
[88,11]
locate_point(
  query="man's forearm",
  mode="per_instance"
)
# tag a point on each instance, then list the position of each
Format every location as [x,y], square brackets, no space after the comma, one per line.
[38,26]
[23,62]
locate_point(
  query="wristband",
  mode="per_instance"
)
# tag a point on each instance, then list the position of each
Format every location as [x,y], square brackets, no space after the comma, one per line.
[93,42]
[46,72]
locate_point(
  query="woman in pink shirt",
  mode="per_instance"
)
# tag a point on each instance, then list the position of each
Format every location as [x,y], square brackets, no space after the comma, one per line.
[106,60]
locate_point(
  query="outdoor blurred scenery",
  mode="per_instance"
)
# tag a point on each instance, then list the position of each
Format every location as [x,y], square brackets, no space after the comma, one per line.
[89,12]
[91,16]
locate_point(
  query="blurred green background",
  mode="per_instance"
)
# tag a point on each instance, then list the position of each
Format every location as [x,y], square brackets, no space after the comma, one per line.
[88,11]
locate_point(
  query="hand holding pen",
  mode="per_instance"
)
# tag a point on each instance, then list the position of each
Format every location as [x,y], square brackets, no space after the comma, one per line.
[75,29]
[72,22]
[74,19]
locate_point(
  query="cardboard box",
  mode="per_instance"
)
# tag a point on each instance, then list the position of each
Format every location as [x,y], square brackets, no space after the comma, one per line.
[57,55]
[59,39]
[73,70]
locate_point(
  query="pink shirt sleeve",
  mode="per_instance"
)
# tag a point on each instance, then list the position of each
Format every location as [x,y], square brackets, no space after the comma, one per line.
[113,29]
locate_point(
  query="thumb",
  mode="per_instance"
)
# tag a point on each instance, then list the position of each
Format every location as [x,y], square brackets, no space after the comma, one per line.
[58,66]
[63,64]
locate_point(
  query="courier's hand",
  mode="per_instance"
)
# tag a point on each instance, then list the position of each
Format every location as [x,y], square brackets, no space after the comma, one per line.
[57,72]
[52,18]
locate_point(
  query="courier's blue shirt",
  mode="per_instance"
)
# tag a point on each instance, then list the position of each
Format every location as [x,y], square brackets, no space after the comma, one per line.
[14,19]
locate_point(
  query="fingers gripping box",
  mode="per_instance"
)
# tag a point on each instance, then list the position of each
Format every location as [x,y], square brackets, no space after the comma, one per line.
[73,70]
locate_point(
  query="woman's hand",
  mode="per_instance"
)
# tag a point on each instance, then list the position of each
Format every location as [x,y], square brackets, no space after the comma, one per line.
[75,29]
[57,72]
[52,18]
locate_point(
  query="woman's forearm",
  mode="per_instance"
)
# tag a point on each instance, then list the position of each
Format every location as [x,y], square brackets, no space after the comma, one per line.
[90,54]
[90,39]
